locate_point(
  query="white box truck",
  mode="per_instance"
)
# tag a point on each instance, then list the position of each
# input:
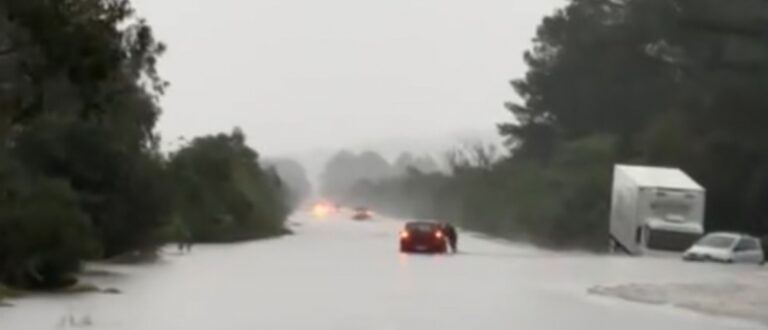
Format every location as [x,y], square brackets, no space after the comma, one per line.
[655,208]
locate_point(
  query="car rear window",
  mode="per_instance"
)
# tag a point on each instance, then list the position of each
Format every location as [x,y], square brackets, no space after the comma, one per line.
[748,244]
[422,226]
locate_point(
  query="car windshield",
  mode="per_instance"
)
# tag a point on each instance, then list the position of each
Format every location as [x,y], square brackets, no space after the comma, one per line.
[717,241]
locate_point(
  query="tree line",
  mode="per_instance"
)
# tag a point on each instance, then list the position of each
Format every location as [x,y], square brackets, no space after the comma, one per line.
[678,83]
[81,173]
[345,169]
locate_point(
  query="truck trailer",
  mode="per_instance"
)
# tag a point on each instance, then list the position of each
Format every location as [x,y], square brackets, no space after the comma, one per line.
[655,208]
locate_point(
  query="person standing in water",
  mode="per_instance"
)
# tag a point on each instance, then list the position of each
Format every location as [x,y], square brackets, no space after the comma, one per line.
[184,238]
[452,236]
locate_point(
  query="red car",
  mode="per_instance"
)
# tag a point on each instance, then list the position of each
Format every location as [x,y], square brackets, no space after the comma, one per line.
[422,236]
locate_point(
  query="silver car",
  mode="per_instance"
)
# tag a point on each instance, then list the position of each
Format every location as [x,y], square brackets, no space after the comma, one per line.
[726,247]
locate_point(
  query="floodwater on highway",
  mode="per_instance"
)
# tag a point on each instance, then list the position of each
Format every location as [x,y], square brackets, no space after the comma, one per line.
[338,274]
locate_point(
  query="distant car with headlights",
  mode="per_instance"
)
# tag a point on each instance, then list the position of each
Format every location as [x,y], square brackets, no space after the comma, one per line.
[727,248]
[362,213]
[324,209]
[424,237]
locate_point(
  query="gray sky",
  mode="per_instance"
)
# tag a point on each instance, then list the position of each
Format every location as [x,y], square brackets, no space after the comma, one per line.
[299,75]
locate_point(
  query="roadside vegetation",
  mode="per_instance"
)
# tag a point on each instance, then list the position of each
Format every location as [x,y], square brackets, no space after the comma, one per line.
[6,293]
[222,194]
[657,82]
[81,173]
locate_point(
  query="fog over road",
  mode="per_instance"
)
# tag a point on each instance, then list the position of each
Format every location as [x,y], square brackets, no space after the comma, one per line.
[338,274]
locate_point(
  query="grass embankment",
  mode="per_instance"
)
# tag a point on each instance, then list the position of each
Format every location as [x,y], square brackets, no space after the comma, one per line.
[5,294]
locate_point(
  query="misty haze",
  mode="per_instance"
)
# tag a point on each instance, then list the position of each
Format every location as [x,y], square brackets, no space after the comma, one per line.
[341,164]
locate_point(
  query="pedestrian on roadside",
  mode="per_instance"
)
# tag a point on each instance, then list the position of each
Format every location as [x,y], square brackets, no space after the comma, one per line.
[184,238]
[187,239]
[452,236]
[188,244]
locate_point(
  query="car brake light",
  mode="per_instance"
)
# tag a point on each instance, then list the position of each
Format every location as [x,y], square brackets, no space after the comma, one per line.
[404,234]
[439,234]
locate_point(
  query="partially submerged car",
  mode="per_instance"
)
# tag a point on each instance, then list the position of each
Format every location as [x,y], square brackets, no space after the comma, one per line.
[727,248]
[424,237]
[362,213]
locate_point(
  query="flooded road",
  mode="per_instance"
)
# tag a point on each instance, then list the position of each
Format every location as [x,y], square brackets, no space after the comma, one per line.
[339,274]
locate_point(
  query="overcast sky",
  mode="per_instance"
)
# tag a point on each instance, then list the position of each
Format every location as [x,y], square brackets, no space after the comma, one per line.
[299,75]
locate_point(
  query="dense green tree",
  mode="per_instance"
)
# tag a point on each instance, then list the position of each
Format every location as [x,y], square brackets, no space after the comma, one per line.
[125,193]
[78,105]
[83,58]
[43,233]
[81,175]
[86,110]
[222,192]
[679,83]
[589,73]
